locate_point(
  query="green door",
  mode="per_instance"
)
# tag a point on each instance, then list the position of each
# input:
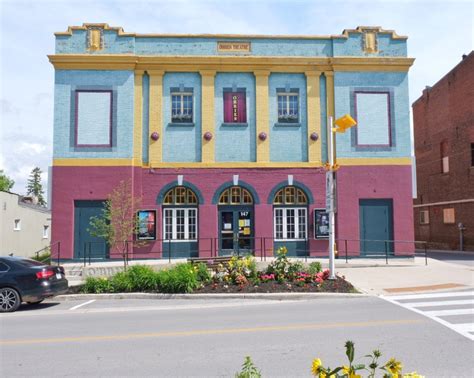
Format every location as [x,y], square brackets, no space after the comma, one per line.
[376,226]
[235,230]
[84,242]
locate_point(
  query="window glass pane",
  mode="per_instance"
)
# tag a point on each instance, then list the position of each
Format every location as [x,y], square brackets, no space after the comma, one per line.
[302,223]
[168,223]
[279,197]
[247,198]
[290,224]
[192,224]
[180,224]
[180,196]
[279,223]
[191,197]
[301,199]
[224,197]
[235,198]
[290,195]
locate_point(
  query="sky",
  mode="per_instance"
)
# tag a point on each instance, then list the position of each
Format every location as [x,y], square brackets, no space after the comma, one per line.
[439,32]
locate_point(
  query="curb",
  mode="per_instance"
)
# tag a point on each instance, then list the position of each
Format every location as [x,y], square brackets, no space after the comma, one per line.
[269,296]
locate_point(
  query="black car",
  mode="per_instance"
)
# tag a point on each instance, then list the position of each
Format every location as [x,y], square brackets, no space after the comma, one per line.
[30,281]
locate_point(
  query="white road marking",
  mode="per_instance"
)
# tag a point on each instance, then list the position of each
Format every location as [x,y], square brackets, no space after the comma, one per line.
[82,304]
[468,311]
[439,303]
[446,294]
[462,329]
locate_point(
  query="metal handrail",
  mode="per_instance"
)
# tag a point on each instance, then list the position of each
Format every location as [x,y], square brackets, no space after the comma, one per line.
[50,247]
[259,247]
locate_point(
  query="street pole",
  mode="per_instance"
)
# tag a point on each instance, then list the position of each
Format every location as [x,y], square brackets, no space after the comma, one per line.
[331,193]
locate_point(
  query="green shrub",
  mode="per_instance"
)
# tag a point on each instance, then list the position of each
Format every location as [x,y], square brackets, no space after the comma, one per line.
[97,285]
[315,267]
[203,274]
[44,257]
[121,283]
[249,370]
[180,279]
[141,278]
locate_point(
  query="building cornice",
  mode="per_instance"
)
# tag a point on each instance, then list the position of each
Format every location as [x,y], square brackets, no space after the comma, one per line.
[120,32]
[227,63]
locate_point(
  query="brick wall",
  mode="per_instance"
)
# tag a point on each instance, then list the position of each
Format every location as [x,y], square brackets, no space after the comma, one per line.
[445,113]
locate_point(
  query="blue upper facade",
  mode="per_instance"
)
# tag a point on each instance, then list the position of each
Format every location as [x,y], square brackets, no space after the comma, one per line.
[105,109]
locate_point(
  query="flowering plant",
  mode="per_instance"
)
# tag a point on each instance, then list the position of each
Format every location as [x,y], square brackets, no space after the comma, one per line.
[392,369]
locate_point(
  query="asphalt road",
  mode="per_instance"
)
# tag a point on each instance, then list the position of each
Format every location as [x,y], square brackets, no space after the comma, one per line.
[212,337]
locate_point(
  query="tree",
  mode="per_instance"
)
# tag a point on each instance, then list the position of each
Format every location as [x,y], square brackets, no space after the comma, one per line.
[118,222]
[6,183]
[34,186]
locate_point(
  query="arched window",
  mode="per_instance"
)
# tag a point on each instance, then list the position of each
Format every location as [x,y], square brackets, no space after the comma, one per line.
[180,216]
[290,220]
[236,195]
[180,195]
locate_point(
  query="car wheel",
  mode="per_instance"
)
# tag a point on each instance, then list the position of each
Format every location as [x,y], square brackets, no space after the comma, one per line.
[9,299]
[35,302]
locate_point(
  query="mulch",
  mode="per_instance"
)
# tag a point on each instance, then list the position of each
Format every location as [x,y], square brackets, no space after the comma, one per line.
[339,285]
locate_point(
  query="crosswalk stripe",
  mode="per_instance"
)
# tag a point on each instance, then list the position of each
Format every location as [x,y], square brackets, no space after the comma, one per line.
[464,329]
[468,311]
[440,303]
[432,295]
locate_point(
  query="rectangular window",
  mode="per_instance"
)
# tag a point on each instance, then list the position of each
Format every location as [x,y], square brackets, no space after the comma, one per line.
[288,107]
[45,231]
[290,223]
[235,108]
[180,224]
[181,107]
[448,216]
[472,154]
[445,164]
[424,217]
[93,118]
[17,225]
[373,118]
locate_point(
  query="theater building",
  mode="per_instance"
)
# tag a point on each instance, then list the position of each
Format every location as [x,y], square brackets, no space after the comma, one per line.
[223,137]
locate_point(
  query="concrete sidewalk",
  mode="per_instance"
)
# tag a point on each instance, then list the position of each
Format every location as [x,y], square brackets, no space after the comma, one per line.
[409,278]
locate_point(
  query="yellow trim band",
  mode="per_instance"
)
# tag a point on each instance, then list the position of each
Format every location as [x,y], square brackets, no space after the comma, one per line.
[314,115]
[227,63]
[207,116]
[70,162]
[138,119]
[374,161]
[262,112]
[155,148]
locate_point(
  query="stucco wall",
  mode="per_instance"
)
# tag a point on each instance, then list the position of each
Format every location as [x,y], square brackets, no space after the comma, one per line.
[29,238]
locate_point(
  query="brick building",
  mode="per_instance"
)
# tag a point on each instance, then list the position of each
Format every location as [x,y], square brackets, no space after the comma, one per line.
[443,120]
[224,139]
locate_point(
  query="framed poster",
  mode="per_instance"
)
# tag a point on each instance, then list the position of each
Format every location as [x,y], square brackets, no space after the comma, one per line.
[146,225]
[321,224]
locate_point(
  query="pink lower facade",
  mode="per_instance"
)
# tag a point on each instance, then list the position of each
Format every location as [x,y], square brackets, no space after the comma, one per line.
[355,183]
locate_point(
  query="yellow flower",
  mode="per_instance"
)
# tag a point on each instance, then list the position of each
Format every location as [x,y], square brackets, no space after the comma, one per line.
[393,366]
[350,374]
[345,370]
[315,366]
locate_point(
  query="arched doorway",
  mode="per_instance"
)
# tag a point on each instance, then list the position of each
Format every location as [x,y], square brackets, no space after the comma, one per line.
[290,220]
[236,221]
[180,223]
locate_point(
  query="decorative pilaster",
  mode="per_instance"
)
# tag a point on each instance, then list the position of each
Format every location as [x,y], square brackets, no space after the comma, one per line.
[208,116]
[330,92]
[156,117]
[314,116]
[262,114]
[137,120]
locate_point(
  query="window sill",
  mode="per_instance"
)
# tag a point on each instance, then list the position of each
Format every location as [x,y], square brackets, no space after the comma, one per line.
[234,124]
[290,240]
[17,229]
[290,124]
[180,241]
[181,124]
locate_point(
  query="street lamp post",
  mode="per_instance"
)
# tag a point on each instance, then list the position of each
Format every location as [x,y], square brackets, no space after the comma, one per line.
[343,123]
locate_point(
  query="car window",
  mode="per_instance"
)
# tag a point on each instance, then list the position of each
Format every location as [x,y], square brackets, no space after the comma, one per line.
[4,267]
[27,263]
